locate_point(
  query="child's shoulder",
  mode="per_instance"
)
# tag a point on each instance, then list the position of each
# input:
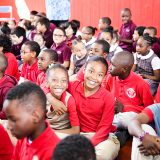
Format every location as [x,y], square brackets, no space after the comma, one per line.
[9,81]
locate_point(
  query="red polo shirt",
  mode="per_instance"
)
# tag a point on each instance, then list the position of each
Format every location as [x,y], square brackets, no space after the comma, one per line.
[41,78]
[133,92]
[12,68]
[157,97]
[63,51]
[6,147]
[42,147]
[95,112]
[30,72]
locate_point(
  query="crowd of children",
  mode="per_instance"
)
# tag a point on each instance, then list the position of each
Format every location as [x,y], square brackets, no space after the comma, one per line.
[67,95]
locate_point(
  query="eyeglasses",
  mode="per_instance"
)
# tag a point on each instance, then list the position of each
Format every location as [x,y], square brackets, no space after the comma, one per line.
[57,35]
[39,40]
[86,33]
[23,52]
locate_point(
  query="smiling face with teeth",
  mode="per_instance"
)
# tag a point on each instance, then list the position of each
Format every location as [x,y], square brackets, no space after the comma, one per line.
[57,82]
[94,74]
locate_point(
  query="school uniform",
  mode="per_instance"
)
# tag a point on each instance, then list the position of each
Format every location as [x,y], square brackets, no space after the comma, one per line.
[42,147]
[12,68]
[16,49]
[6,147]
[114,49]
[133,92]
[72,38]
[99,35]
[88,44]
[158,41]
[126,32]
[30,72]
[156,49]
[33,33]
[146,65]
[153,113]
[157,97]
[96,114]
[63,51]
[134,46]
[41,78]
[52,27]
[49,38]
[6,83]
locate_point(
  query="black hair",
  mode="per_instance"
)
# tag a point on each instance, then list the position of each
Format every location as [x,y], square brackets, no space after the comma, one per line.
[154,29]
[72,24]
[44,21]
[127,10]
[74,147]
[33,46]
[150,40]
[29,94]
[20,20]
[42,14]
[91,30]
[33,13]
[76,22]
[140,30]
[3,62]
[6,43]
[98,59]
[27,24]
[55,66]
[106,20]
[39,34]
[19,31]
[105,45]
[13,21]
[52,53]
[5,29]
[74,42]
[38,15]
[62,29]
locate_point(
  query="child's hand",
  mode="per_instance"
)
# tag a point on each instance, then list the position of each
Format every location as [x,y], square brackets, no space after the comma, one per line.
[150,145]
[59,108]
[118,106]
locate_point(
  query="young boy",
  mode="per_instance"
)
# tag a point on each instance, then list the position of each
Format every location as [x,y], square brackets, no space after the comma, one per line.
[18,36]
[127,30]
[103,23]
[152,31]
[80,147]
[25,107]
[45,58]
[5,47]
[29,52]
[138,32]
[43,27]
[146,142]
[6,83]
[132,93]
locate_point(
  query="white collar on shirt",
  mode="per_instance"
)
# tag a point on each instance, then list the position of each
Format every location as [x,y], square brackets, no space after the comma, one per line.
[112,47]
[93,39]
[147,56]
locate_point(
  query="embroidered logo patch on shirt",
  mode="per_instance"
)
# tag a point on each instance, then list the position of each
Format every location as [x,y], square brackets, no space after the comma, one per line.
[131,93]
[59,52]
[127,30]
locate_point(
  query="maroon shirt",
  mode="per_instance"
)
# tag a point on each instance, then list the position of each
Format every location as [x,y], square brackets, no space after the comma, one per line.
[158,41]
[134,46]
[156,49]
[33,33]
[63,51]
[126,32]
[16,49]
[72,38]
[52,27]
[49,38]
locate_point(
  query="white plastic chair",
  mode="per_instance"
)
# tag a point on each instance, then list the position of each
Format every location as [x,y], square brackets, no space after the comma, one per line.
[6,9]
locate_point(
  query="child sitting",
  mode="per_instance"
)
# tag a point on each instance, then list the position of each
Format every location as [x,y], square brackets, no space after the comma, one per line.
[60,46]
[70,29]
[29,53]
[41,40]
[78,57]
[12,24]
[78,33]
[28,27]
[148,62]
[138,32]
[132,93]
[45,59]
[5,47]
[111,37]
[103,23]
[57,80]
[87,36]
[25,107]
[18,36]
[80,147]
[43,27]
[127,30]
[146,142]
[32,15]
[6,83]
[5,29]
[152,31]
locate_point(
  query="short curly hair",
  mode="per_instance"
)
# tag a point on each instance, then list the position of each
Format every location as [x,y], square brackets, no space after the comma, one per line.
[6,43]
[74,147]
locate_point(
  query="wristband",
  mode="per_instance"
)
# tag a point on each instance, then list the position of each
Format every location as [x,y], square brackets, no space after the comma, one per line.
[142,135]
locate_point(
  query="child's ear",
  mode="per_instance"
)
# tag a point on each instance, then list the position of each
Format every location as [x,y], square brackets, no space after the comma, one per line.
[149,47]
[105,55]
[36,116]
[34,54]
[1,49]
[125,68]
[47,84]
